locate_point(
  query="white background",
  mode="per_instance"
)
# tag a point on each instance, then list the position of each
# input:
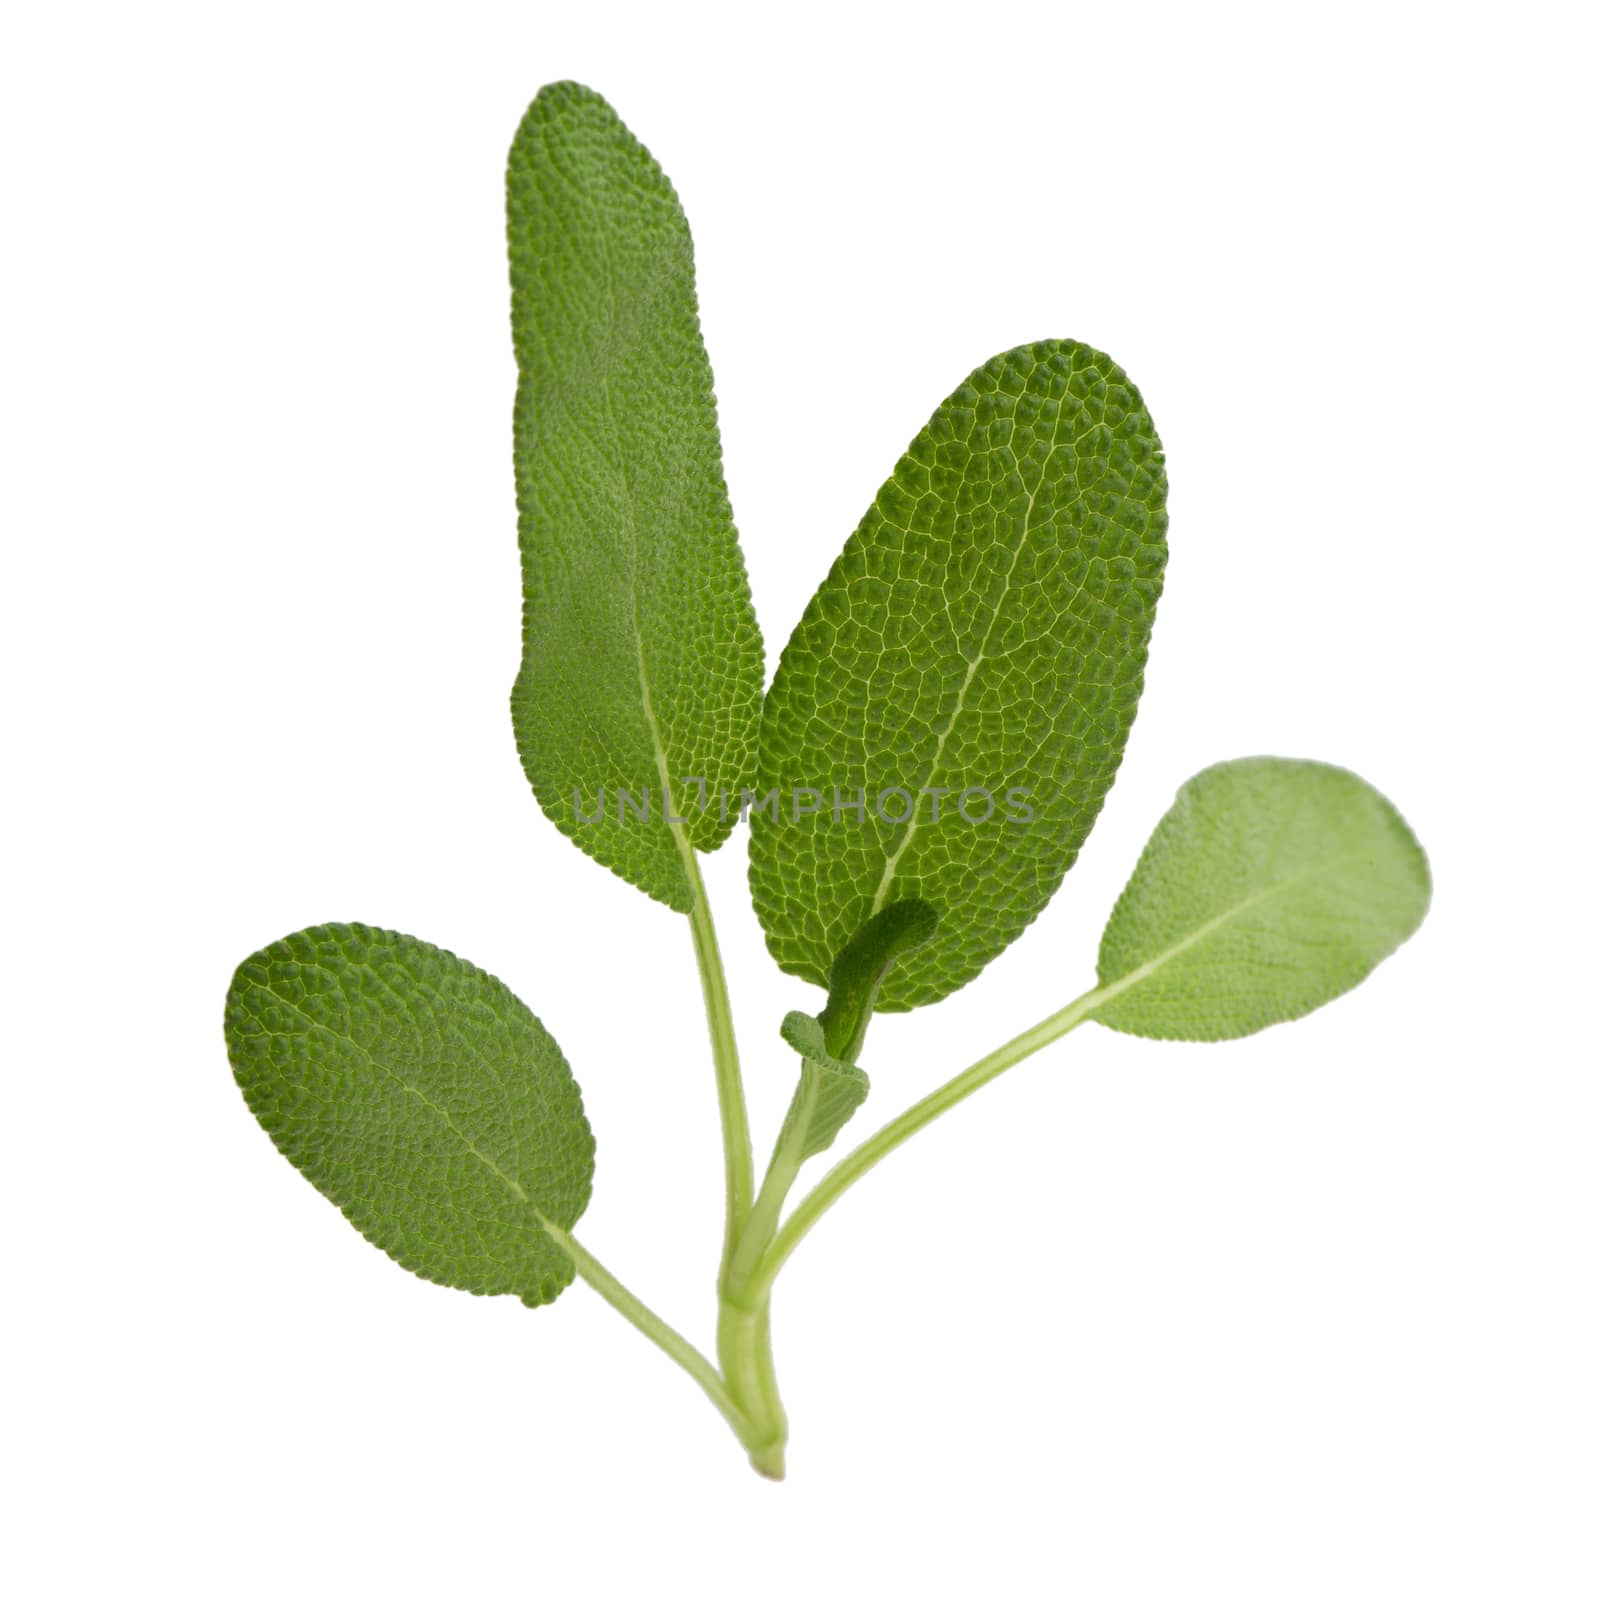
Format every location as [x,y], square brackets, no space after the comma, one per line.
[1311,1314]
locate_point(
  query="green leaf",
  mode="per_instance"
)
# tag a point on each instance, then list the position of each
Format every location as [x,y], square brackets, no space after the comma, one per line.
[422,1098]
[641,660]
[830,1091]
[983,633]
[861,967]
[832,1087]
[1270,888]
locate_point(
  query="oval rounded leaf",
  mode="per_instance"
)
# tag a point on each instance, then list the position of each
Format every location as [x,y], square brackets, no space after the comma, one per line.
[949,714]
[422,1098]
[1268,889]
[640,688]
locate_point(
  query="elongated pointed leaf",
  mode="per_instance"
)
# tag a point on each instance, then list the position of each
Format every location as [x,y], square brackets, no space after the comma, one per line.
[422,1098]
[641,660]
[1270,888]
[830,1091]
[968,673]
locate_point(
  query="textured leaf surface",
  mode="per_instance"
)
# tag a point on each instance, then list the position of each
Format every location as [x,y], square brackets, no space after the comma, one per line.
[1269,888]
[641,660]
[830,1091]
[985,628]
[421,1097]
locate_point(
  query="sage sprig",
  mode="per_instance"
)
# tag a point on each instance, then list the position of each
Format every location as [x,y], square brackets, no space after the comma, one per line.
[942,730]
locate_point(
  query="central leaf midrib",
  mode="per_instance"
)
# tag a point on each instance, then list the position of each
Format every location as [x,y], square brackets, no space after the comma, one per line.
[892,863]
[1148,969]
[652,727]
[411,1089]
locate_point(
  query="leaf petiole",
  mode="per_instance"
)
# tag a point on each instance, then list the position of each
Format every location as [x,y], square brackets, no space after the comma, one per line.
[738,1161]
[748,1383]
[787,1156]
[893,1134]
[660,1333]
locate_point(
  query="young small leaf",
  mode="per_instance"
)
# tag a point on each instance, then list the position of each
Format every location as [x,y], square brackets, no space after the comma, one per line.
[1270,888]
[967,673]
[830,1091]
[832,1087]
[860,968]
[422,1098]
[640,687]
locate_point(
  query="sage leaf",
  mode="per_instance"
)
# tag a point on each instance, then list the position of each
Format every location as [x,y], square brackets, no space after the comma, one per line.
[1270,888]
[966,674]
[829,1093]
[832,1087]
[421,1097]
[639,693]
[861,967]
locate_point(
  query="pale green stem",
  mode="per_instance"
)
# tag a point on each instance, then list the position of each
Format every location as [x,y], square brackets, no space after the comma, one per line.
[893,1134]
[658,1332]
[744,1322]
[744,1348]
[738,1162]
[782,1170]
[744,1337]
